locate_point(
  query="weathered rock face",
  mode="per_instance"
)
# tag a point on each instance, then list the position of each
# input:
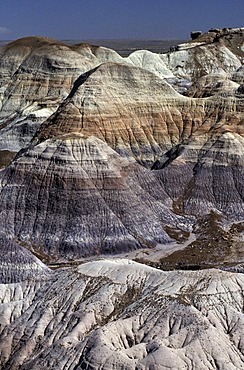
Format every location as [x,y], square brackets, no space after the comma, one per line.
[37,74]
[120,314]
[124,106]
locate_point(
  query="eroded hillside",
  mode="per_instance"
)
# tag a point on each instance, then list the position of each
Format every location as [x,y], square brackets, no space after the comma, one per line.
[139,158]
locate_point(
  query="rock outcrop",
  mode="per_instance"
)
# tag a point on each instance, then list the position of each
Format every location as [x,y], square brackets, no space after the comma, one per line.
[37,74]
[137,113]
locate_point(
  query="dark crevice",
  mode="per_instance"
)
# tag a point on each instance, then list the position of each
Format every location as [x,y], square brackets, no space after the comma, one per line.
[80,80]
[172,154]
[82,113]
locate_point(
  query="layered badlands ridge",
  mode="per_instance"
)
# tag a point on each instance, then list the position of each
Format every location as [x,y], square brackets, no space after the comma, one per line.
[125,161]
[37,74]
[114,159]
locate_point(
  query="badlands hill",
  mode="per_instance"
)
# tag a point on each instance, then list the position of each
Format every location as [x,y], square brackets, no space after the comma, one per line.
[139,157]
[37,74]
[121,160]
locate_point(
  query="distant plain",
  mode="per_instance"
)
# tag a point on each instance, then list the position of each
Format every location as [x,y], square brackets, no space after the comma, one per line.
[125,47]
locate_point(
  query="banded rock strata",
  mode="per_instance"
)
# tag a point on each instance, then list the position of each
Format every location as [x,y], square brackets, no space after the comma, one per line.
[37,74]
[137,113]
[81,183]
[73,197]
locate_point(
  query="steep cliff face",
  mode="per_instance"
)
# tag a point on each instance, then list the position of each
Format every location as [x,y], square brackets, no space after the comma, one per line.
[120,314]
